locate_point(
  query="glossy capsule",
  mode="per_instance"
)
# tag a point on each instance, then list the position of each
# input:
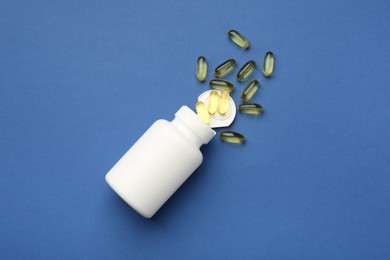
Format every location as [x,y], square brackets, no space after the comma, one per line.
[268,64]
[238,39]
[221,84]
[212,102]
[249,90]
[201,110]
[246,70]
[224,102]
[224,68]
[251,108]
[201,69]
[232,137]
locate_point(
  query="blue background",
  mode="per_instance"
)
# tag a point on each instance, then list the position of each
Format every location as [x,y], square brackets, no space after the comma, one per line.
[80,81]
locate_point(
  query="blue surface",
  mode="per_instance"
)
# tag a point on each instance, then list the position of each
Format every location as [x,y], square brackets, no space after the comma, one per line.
[80,81]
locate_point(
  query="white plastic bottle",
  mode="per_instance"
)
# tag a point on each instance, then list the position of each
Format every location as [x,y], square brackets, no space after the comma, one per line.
[160,161]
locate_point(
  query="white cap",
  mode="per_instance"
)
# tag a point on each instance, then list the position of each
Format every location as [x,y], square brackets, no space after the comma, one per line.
[218,120]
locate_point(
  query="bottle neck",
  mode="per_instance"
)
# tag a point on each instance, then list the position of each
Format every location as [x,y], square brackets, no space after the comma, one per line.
[187,132]
[192,127]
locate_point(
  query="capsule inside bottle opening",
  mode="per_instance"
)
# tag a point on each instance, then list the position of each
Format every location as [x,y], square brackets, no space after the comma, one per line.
[221,84]
[224,68]
[232,137]
[224,102]
[268,64]
[238,39]
[249,90]
[212,103]
[201,69]
[246,70]
[201,110]
[251,108]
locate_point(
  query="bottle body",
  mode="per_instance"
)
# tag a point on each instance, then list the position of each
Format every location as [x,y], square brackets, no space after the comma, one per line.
[156,166]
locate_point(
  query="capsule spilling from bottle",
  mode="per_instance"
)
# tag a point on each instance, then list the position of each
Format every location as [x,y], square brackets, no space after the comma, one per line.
[224,68]
[221,84]
[249,90]
[238,39]
[232,137]
[203,113]
[246,70]
[201,68]
[268,64]
[224,102]
[251,108]
[212,102]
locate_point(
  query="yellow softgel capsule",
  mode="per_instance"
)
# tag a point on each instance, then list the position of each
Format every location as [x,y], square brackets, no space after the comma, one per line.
[224,68]
[249,90]
[201,110]
[238,39]
[224,102]
[251,108]
[201,68]
[232,137]
[268,64]
[212,103]
[246,70]
[221,84]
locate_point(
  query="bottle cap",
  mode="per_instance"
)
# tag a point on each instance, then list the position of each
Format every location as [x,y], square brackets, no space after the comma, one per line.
[218,120]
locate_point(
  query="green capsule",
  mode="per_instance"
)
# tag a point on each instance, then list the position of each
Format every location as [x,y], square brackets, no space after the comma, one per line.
[246,70]
[232,137]
[249,90]
[201,68]
[268,64]
[225,68]
[221,84]
[251,108]
[238,39]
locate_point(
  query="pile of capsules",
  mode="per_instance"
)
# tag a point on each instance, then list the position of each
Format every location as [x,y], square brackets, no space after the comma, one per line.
[221,101]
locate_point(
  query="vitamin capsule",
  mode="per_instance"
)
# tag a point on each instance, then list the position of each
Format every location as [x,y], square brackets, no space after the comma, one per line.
[268,64]
[201,110]
[225,68]
[221,84]
[238,39]
[224,102]
[246,70]
[251,108]
[232,137]
[201,68]
[212,102]
[249,90]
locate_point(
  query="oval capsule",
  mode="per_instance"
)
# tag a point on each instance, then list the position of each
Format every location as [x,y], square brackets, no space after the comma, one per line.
[249,90]
[246,70]
[201,110]
[221,84]
[251,108]
[238,39]
[201,68]
[232,137]
[224,68]
[224,102]
[268,64]
[212,102]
